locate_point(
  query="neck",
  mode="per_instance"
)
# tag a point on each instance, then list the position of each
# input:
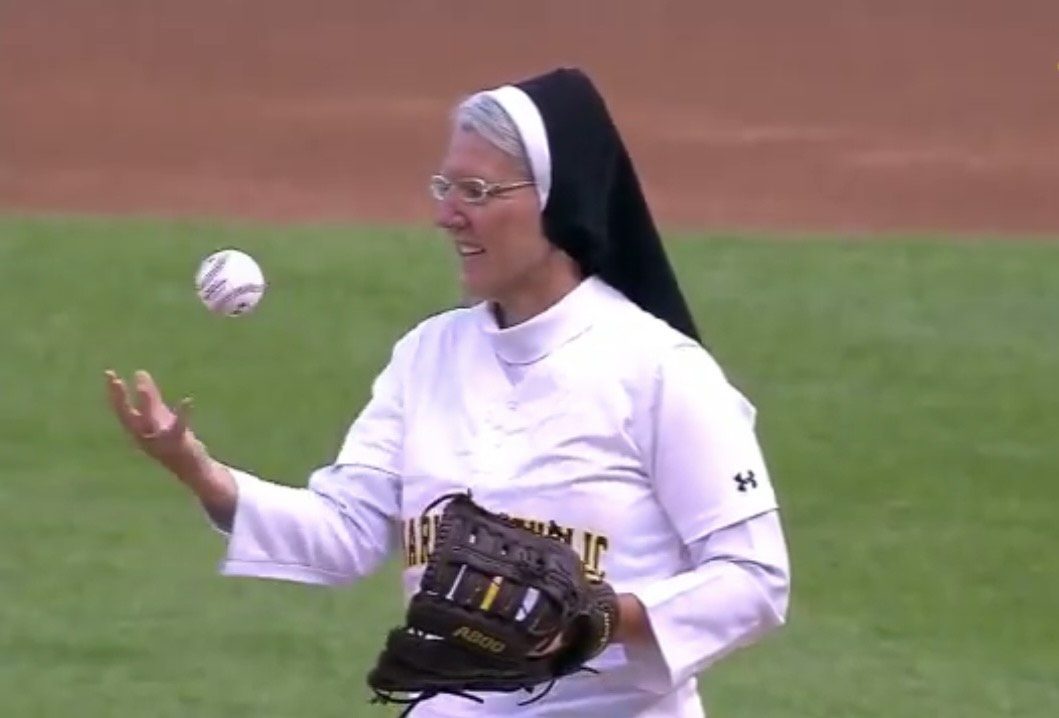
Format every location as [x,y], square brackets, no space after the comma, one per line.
[530,301]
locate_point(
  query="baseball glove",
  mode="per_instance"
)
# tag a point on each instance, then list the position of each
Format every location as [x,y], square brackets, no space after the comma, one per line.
[500,609]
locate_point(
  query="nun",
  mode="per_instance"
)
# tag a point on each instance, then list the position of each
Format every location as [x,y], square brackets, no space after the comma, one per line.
[572,391]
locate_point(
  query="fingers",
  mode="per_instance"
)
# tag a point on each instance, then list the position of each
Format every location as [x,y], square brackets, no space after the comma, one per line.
[146,387]
[119,402]
[161,433]
[179,425]
[150,418]
[149,402]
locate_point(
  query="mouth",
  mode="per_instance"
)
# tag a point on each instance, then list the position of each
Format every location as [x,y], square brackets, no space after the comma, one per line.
[468,250]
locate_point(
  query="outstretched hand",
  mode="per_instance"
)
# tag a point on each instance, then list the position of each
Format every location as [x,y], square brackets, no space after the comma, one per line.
[161,432]
[165,435]
[155,428]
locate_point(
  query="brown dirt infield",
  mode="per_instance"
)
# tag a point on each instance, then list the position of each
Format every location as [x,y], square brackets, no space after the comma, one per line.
[821,114]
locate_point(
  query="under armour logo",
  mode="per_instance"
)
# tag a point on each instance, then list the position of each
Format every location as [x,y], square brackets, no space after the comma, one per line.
[745,482]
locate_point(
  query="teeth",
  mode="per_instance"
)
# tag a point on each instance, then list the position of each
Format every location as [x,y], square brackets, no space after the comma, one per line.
[468,251]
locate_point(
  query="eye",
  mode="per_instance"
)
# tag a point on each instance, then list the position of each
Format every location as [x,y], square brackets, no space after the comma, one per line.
[472,189]
[439,187]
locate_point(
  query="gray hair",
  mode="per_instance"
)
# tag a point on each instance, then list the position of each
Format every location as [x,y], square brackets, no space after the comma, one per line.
[486,117]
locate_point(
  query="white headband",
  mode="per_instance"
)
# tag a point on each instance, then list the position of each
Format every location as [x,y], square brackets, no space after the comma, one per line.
[530,124]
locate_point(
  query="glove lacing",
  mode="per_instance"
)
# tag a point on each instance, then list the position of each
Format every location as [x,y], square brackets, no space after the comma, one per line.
[411,703]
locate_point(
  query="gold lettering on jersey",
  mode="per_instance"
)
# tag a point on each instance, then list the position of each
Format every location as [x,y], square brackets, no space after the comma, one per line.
[592,548]
[421,532]
[419,536]
[411,558]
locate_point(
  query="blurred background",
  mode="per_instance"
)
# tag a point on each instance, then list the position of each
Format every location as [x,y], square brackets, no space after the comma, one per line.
[930,114]
[859,198]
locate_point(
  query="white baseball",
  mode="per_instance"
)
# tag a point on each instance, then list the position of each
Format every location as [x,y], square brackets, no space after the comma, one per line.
[230,282]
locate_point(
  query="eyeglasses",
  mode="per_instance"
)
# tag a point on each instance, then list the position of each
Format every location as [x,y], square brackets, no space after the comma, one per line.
[472,190]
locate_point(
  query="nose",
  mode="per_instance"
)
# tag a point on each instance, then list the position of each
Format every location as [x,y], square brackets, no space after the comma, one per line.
[447,215]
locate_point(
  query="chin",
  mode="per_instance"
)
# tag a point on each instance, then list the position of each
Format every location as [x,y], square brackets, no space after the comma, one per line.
[472,287]
[470,294]
[467,299]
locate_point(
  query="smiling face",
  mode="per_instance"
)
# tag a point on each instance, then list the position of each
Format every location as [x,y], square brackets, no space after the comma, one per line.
[504,256]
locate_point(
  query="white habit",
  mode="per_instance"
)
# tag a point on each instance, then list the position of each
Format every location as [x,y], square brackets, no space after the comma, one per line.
[593,414]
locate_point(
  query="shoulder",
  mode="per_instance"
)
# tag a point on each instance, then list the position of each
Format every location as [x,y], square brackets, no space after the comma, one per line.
[654,360]
[435,333]
[635,336]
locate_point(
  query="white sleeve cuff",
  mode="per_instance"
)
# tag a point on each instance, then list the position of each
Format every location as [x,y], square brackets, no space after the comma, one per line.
[306,535]
[657,668]
[738,593]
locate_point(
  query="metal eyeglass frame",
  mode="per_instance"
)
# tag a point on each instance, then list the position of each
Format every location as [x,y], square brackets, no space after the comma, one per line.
[440,185]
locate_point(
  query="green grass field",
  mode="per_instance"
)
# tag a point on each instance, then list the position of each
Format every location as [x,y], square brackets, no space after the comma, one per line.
[908,392]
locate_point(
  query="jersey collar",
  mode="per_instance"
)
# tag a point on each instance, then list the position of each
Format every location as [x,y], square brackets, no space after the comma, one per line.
[539,336]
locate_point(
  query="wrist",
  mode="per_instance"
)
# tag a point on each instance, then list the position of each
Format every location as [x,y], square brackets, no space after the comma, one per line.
[215,487]
[633,625]
[208,479]
[193,465]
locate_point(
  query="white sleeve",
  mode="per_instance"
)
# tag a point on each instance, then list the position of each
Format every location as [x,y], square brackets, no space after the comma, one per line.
[707,468]
[710,476]
[344,524]
[738,592]
[338,529]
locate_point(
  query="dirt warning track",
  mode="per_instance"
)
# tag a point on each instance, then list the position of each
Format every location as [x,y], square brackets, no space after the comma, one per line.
[822,114]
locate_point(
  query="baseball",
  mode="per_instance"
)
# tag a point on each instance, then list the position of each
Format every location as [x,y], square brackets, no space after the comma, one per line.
[230,282]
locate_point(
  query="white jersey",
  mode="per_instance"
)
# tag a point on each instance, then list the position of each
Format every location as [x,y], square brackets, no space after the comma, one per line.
[593,415]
